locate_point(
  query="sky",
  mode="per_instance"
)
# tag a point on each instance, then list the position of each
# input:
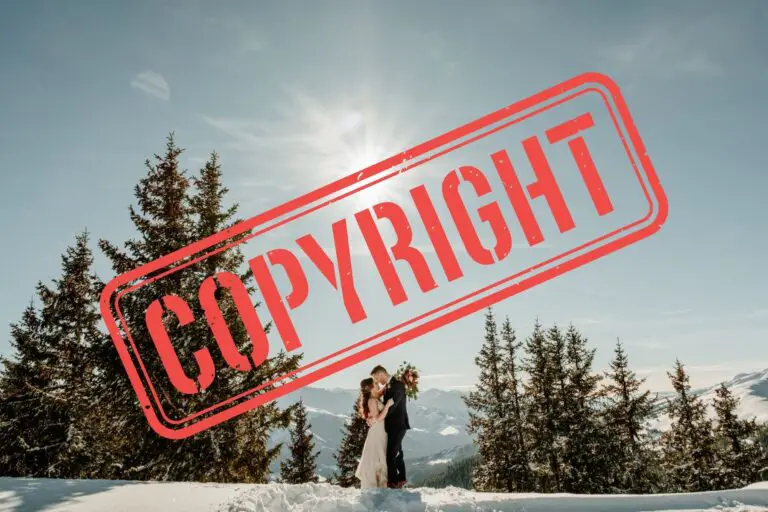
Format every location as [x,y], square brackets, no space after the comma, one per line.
[294,96]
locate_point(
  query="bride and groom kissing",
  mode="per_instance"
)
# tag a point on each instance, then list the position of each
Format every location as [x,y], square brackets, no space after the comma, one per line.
[383,405]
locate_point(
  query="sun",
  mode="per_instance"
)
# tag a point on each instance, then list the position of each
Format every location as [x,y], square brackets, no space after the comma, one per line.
[362,158]
[379,192]
[323,141]
[362,139]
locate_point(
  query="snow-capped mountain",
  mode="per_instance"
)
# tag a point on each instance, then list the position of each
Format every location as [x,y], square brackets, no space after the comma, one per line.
[439,419]
[438,422]
[750,388]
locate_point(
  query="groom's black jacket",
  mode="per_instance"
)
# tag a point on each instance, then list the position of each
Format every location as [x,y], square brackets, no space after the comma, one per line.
[397,416]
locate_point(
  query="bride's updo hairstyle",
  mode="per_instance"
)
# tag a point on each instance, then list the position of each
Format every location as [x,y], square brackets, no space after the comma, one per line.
[365,393]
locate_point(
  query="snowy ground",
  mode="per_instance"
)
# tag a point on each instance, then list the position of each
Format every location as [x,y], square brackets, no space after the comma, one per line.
[101,496]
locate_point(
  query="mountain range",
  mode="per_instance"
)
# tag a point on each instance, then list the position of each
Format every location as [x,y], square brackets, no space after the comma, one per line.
[750,388]
[439,419]
[438,422]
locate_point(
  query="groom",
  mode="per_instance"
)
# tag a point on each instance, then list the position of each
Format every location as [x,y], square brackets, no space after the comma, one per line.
[396,424]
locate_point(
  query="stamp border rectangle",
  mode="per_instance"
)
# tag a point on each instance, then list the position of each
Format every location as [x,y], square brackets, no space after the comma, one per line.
[628,234]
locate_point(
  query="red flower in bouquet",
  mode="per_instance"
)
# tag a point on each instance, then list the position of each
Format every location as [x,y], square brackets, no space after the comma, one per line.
[409,376]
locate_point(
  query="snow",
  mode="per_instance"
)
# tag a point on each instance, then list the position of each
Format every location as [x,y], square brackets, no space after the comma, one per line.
[750,388]
[661,423]
[45,495]
[438,461]
[328,413]
[449,431]
[325,498]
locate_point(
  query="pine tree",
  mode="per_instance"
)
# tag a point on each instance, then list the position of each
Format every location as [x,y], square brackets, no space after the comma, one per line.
[583,451]
[688,446]
[350,449]
[210,216]
[487,414]
[242,444]
[739,455]
[70,309]
[174,211]
[626,409]
[543,395]
[760,439]
[301,466]
[516,463]
[457,473]
[32,425]
[164,224]
[49,387]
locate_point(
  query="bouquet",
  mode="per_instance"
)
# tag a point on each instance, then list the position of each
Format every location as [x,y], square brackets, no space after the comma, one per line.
[409,376]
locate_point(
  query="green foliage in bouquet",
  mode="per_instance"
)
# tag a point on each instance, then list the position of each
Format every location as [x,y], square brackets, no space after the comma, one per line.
[409,376]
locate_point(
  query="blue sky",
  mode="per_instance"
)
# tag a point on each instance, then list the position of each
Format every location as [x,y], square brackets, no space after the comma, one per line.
[294,96]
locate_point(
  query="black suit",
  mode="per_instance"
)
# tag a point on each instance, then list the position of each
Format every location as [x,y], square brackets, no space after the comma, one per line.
[396,424]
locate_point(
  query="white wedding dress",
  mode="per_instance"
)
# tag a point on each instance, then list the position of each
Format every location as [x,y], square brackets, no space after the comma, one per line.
[372,469]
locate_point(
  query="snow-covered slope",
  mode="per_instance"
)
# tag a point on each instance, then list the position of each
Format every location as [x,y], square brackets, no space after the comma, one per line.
[43,495]
[421,469]
[750,388]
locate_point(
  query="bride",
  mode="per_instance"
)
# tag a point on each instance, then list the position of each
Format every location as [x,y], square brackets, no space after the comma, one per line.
[372,469]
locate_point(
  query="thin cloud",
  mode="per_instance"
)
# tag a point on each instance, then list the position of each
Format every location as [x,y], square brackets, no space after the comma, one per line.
[677,312]
[153,84]
[757,313]
[731,368]
[590,321]
[702,64]
[251,135]
[464,387]
[256,183]
[333,138]
[436,376]
[252,46]
[696,337]
[663,49]
[647,345]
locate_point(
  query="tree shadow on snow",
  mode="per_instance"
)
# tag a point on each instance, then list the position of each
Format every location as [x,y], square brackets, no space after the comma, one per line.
[392,500]
[34,494]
